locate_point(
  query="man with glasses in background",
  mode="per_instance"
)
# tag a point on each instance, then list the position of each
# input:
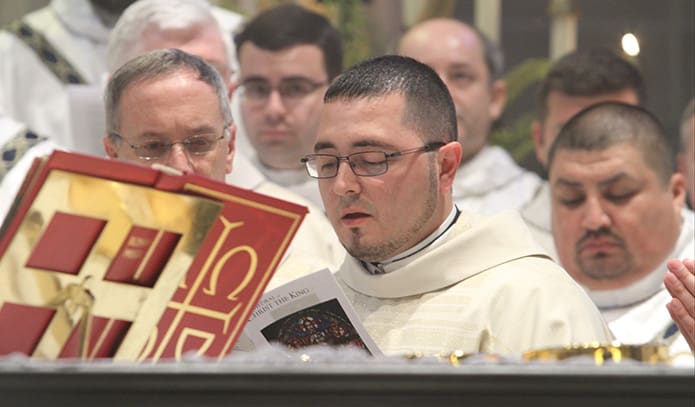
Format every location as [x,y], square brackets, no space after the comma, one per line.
[192,132]
[170,107]
[287,56]
[188,145]
[173,126]
[422,275]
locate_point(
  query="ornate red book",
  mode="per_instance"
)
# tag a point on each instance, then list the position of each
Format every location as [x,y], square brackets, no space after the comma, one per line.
[102,258]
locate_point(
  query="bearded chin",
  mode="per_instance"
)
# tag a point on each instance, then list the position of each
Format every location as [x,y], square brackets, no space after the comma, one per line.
[604,267]
[371,253]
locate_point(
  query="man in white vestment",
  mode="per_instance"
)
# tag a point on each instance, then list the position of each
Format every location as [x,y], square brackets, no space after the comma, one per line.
[54,60]
[576,81]
[49,52]
[190,26]
[618,216]
[422,275]
[471,66]
[170,107]
[15,140]
[287,56]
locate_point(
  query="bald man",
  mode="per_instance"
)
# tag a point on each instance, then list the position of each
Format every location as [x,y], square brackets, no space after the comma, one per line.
[471,66]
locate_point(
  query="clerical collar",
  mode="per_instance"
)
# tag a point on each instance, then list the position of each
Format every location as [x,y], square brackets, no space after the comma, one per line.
[427,244]
[286,177]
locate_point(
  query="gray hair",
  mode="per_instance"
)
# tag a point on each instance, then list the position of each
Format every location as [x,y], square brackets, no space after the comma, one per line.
[159,64]
[688,114]
[125,41]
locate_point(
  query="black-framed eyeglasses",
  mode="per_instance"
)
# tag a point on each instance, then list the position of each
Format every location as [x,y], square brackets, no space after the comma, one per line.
[198,144]
[291,90]
[363,164]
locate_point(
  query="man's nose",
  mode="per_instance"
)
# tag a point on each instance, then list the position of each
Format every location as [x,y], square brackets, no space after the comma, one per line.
[595,216]
[178,158]
[275,105]
[345,181]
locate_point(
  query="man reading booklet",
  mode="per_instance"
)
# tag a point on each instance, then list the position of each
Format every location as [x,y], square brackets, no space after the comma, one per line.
[422,275]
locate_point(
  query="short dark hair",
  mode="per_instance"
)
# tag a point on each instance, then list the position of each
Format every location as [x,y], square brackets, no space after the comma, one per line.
[606,124]
[289,25]
[429,107]
[591,72]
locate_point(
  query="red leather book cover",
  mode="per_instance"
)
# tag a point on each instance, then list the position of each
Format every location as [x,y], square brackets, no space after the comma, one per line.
[75,163]
[91,255]
[237,259]
[148,264]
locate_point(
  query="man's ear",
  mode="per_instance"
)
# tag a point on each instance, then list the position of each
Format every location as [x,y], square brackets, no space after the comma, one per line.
[498,98]
[232,85]
[109,148]
[449,157]
[537,136]
[229,158]
[678,190]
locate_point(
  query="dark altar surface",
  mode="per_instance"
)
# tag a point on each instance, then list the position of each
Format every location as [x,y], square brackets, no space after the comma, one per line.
[344,384]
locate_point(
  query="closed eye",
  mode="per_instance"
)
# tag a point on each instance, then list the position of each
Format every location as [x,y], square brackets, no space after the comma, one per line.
[620,198]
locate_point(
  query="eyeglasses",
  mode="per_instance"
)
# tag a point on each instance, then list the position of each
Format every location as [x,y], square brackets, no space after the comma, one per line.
[257,91]
[363,164]
[195,145]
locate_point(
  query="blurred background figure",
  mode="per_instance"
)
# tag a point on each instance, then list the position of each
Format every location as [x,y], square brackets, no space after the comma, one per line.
[471,66]
[618,216]
[287,57]
[48,53]
[576,81]
[48,56]
[82,104]
[189,25]
[54,63]
[686,154]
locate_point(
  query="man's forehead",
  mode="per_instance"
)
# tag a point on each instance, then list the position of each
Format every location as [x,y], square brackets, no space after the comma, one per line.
[196,40]
[598,164]
[298,60]
[563,106]
[446,32]
[329,144]
[181,80]
[448,52]
[377,118]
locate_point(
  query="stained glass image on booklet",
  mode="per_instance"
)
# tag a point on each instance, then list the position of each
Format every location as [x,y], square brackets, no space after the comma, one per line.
[107,259]
[311,310]
[322,324]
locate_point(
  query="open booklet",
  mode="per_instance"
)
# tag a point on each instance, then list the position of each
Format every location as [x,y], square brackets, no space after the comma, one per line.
[311,310]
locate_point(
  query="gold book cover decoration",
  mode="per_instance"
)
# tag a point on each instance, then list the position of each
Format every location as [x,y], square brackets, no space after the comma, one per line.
[93,250]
